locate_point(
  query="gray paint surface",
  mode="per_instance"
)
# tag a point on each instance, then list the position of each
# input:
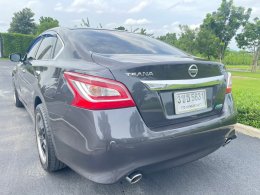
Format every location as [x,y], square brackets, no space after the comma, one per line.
[230,170]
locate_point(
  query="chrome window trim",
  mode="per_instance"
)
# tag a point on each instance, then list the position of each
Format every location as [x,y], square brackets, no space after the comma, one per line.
[159,85]
[54,58]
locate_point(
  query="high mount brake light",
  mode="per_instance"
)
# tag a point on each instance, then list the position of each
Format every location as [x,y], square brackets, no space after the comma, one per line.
[229,83]
[96,93]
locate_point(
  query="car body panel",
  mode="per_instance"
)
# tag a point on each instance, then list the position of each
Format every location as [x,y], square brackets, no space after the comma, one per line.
[110,150]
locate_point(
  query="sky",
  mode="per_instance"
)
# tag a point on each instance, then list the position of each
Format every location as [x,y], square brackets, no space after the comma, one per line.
[157,16]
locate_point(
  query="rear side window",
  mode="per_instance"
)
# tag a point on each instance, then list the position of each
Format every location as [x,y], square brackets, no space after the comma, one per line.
[114,42]
[46,48]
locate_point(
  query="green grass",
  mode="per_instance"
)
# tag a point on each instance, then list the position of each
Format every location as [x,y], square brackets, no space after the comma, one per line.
[246,74]
[242,67]
[246,92]
[4,58]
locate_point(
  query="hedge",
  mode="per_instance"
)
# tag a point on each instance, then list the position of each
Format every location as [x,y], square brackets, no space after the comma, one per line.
[238,58]
[14,42]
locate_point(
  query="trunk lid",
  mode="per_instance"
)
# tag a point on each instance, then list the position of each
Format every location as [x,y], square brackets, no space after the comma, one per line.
[157,81]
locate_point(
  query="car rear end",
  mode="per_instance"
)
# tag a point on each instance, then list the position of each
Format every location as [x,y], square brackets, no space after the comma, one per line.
[154,112]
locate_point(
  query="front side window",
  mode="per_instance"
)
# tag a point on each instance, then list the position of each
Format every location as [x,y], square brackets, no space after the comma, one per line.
[33,48]
[46,48]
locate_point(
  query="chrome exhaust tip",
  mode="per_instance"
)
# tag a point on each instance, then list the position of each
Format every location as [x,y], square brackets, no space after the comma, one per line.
[228,140]
[134,177]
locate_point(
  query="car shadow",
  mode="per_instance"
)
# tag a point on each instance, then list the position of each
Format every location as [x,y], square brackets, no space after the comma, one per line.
[153,183]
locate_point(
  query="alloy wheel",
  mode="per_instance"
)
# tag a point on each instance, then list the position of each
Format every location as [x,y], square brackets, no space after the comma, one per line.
[41,138]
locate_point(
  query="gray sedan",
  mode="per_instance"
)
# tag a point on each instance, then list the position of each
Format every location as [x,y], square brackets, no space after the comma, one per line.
[113,105]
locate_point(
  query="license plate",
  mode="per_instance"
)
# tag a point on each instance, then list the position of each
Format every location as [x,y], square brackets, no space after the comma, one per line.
[190,101]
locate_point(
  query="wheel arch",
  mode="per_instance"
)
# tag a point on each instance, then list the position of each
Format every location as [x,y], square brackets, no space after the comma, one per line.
[37,101]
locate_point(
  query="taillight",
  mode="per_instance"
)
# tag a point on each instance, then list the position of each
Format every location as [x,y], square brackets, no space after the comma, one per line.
[229,83]
[97,93]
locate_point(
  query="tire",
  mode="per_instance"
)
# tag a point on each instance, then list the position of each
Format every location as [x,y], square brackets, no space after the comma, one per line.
[17,101]
[44,141]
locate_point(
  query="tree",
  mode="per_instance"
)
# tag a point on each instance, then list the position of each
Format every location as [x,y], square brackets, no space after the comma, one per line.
[207,43]
[135,30]
[121,28]
[187,39]
[23,22]
[225,22]
[143,32]
[85,23]
[170,38]
[46,23]
[250,39]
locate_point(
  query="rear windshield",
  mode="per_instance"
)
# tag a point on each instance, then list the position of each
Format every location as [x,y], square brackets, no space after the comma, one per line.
[114,42]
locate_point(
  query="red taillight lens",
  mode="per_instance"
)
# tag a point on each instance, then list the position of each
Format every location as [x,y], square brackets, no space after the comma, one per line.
[98,93]
[229,83]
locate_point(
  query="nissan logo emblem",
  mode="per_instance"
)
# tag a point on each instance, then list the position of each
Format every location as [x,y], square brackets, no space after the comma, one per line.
[193,70]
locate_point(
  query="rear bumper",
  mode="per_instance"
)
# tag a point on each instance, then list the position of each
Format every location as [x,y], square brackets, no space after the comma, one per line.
[105,146]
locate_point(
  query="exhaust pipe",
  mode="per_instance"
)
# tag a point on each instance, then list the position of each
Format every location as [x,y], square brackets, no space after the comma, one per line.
[228,140]
[134,177]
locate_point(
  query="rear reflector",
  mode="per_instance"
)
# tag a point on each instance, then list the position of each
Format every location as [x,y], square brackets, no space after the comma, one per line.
[229,83]
[97,93]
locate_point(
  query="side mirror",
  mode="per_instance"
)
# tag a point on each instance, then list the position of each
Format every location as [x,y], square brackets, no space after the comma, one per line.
[15,57]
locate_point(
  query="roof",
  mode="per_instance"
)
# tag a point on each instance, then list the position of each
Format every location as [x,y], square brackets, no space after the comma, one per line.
[81,28]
